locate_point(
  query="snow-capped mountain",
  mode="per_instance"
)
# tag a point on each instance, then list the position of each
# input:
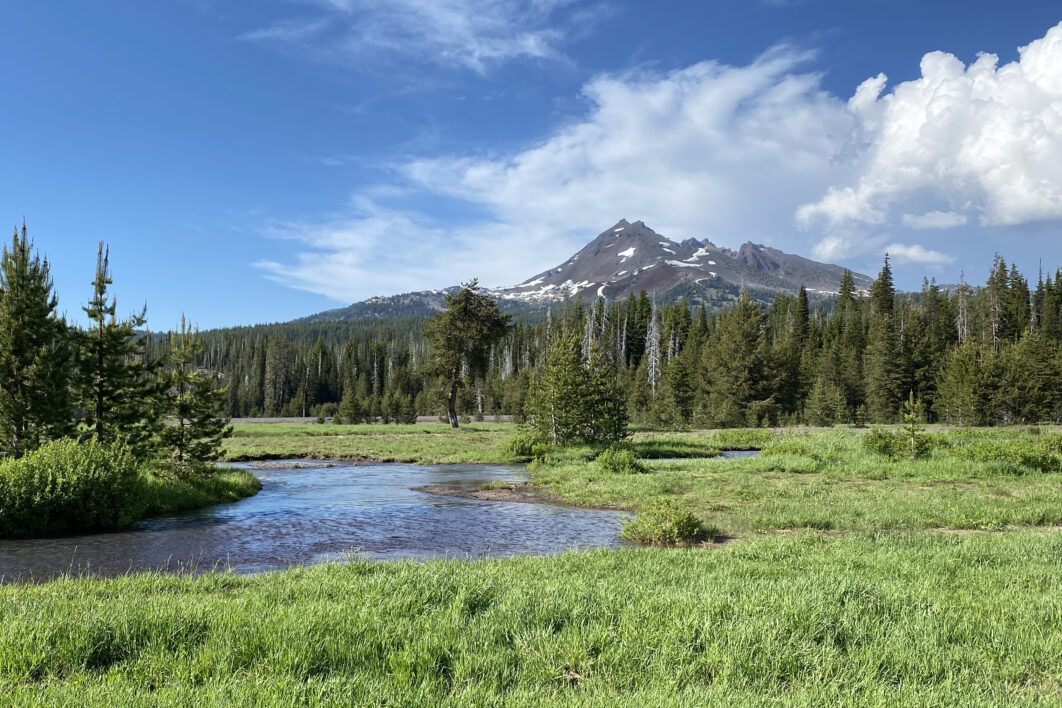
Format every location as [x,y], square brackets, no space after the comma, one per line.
[628,258]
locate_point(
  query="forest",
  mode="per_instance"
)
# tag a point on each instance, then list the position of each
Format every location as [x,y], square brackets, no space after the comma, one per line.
[971,355]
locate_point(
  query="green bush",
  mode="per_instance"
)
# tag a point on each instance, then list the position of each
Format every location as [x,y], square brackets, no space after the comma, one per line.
[666,522]
[526,444]
[619,460]
[900,444]
[68,486]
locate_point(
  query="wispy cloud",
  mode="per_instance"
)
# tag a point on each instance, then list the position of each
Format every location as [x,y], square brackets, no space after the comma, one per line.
[468,34]
[934,220]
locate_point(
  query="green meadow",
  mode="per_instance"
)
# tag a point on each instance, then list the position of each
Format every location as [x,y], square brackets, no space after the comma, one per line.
[839,577]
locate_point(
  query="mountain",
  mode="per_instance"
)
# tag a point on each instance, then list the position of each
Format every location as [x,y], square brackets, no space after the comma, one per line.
[628,258]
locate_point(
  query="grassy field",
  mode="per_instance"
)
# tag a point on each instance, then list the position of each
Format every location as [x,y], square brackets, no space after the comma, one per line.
[916,619]
[852,579]
[824,480]
[423,443]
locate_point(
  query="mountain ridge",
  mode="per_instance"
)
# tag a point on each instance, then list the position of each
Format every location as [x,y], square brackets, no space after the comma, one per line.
[629,257]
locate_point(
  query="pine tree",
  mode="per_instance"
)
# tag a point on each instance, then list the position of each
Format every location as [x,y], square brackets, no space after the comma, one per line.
[461,339]
[116,389]
[198,425]
[882,371]
[960,386]
[35,356]
[803,315]
[736,364]
[882,291]
[576,400]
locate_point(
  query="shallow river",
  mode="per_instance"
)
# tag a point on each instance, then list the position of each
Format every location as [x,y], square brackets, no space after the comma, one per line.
[318,513]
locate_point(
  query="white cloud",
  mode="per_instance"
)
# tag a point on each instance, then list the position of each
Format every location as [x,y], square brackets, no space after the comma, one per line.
[934,220]
[710,150]
[724,152]
[984,137]
[373,250]
[916,254]
[472,34]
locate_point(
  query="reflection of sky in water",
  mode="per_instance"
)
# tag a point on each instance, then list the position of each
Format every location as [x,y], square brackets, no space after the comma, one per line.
[320,513]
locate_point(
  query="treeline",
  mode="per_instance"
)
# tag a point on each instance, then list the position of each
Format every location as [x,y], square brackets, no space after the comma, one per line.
[983,355]
[59,381]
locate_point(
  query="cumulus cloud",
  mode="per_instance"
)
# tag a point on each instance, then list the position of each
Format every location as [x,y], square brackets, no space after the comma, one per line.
[471,34]
[984,137]
[916,254]
[934,220]
[731,153]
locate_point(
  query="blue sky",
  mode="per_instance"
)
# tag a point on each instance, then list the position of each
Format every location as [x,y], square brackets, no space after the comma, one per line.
[259,161]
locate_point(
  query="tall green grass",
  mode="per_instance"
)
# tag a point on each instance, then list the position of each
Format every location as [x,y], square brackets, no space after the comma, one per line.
[825,480]
[927,619]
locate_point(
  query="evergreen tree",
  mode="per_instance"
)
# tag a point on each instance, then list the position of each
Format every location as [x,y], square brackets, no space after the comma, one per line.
[35,355]
[883,383]
[116,389]
[576,400]
[461,337]
[736,364]
[882,291]
[803,315]
[959,386]
[197,426]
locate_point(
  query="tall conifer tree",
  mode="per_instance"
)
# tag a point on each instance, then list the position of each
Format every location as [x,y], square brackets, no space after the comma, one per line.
[35,355]
[116,390]
[196,405]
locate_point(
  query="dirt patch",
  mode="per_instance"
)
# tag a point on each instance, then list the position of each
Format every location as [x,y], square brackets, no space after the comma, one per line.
[520,492]
[517,492]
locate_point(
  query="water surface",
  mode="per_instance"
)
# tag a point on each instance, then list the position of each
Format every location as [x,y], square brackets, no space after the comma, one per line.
[322,511]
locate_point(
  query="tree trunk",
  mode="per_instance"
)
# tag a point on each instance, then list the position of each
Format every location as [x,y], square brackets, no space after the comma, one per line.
[451,404]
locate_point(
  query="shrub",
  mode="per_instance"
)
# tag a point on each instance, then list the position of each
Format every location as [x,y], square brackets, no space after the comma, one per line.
[881,442]
[69,486]
[905,444]
[666,523]
[619,460]
[526,443]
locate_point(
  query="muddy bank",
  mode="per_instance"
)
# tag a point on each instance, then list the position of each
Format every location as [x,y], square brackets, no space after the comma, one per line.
[521,492]
[517,492]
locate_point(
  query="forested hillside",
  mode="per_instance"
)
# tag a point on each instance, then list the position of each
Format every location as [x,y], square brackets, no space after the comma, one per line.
[982,355]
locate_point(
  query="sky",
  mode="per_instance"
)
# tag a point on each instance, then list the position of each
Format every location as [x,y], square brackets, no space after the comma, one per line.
[252,162]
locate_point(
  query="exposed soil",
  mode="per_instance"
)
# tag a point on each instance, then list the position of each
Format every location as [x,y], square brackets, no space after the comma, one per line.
[521,492]
[517,492]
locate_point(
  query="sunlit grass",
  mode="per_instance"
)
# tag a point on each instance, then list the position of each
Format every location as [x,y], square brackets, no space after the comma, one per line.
[926,619]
